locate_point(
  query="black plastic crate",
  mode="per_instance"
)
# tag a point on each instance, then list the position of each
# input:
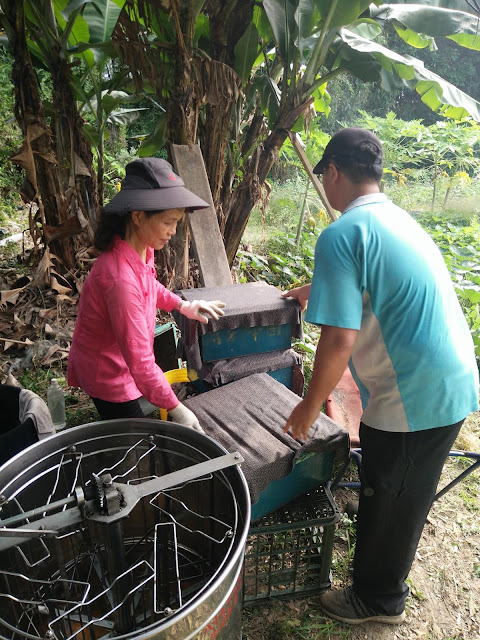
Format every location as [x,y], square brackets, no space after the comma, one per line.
[289,552]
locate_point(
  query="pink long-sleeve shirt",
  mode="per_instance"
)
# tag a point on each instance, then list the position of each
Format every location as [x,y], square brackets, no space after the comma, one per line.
[111,357]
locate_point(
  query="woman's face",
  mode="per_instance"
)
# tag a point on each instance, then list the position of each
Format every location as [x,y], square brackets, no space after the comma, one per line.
[155,230]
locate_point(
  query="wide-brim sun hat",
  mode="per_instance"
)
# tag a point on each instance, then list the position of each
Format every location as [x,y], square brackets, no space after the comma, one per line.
[150,184]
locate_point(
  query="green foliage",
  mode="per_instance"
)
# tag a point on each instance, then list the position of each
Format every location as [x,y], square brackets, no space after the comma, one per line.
[441,59]
[284,55]
[322,627]
[10,177]
[284,265]
[307,348]
[38,380]
[460,244]
[445,152]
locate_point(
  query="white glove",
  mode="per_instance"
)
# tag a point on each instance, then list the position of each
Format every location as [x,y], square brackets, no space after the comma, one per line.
[183,415]
[197,309]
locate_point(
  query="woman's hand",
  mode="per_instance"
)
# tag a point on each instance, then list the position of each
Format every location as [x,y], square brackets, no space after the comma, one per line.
[183,415]
[198,309]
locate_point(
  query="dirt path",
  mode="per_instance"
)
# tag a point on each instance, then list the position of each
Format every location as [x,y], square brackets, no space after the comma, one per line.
[444,580]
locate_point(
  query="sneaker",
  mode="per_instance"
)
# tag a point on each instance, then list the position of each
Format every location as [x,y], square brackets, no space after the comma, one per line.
[344,605]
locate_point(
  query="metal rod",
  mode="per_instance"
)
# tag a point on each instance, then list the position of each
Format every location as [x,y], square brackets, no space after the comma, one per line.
[35,513]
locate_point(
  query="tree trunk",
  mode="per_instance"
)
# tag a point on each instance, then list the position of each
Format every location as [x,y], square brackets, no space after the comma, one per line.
[36,155]
[50,168]
[249,191]
[78,197]
[228,22]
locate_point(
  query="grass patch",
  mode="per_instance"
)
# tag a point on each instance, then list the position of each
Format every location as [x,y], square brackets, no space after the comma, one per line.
[292,620]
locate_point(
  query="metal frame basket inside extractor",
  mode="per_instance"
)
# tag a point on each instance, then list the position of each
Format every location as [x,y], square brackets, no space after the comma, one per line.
[120,529]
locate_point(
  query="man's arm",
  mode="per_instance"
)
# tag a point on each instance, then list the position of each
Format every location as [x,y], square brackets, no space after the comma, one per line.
[331,359]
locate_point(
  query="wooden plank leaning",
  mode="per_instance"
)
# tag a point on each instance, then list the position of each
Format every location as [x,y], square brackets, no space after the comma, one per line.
[207,242]
[309,169]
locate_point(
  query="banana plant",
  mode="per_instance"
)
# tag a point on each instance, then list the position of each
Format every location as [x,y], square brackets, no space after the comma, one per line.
[88,26]
[238,75]
[59,167]
[306,43]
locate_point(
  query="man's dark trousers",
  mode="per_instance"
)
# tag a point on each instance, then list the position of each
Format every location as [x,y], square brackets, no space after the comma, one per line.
[400,474]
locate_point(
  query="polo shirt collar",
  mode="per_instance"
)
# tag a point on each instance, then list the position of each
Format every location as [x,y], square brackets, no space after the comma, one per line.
[369,198]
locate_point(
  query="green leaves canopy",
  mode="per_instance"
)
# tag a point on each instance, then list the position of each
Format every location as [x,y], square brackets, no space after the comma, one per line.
[412,21]
[311,41]
[373,62]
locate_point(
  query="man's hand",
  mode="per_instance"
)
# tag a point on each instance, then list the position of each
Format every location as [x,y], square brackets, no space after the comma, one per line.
[200,310]
[300,294]
[301,419]
[333,353]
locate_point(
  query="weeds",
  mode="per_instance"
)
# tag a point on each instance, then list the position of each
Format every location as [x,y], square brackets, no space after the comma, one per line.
[323,629]
[296,620]
[415,592]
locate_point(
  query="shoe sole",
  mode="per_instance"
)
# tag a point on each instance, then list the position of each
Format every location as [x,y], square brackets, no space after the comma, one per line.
[382,619]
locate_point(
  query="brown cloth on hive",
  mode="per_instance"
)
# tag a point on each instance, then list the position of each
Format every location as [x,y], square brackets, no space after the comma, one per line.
[225,371]
[248,416]
[254,304]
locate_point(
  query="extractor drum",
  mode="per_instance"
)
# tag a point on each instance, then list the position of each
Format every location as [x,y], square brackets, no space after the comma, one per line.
[122,529]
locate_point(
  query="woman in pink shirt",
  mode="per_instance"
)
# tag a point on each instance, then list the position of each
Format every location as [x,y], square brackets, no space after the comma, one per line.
[111,357]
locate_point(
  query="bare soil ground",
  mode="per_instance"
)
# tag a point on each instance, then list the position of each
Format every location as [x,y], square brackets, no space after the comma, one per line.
[444,601]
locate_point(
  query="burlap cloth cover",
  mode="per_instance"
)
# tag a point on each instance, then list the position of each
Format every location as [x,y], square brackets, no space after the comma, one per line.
[248,416]
[254,304]
[225,371]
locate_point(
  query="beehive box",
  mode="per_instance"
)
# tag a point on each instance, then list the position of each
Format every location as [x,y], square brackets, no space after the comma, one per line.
[243,341]
[248,416]
[289,552]
[257,320]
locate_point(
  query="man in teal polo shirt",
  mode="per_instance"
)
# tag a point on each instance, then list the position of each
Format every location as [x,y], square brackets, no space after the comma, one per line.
[387,307]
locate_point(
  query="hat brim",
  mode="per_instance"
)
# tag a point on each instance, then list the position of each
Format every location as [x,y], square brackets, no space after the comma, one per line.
[128,200]
[320,167]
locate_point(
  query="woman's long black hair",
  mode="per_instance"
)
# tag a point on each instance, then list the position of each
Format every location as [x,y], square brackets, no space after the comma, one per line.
[112,225]
[109,226]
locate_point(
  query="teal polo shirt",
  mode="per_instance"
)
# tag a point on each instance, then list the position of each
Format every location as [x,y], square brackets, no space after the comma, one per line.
[377,271]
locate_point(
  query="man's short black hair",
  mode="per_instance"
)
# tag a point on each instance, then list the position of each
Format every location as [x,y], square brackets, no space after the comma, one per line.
[355,151]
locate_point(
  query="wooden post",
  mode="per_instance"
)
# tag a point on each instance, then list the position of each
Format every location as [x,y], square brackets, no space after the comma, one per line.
[309,169]
[207,241]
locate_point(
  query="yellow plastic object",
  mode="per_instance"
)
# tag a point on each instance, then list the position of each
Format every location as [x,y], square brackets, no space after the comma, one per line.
[177,375]
[174,375]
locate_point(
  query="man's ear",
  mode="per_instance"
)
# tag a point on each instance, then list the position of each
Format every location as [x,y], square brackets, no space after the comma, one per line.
[335,172]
